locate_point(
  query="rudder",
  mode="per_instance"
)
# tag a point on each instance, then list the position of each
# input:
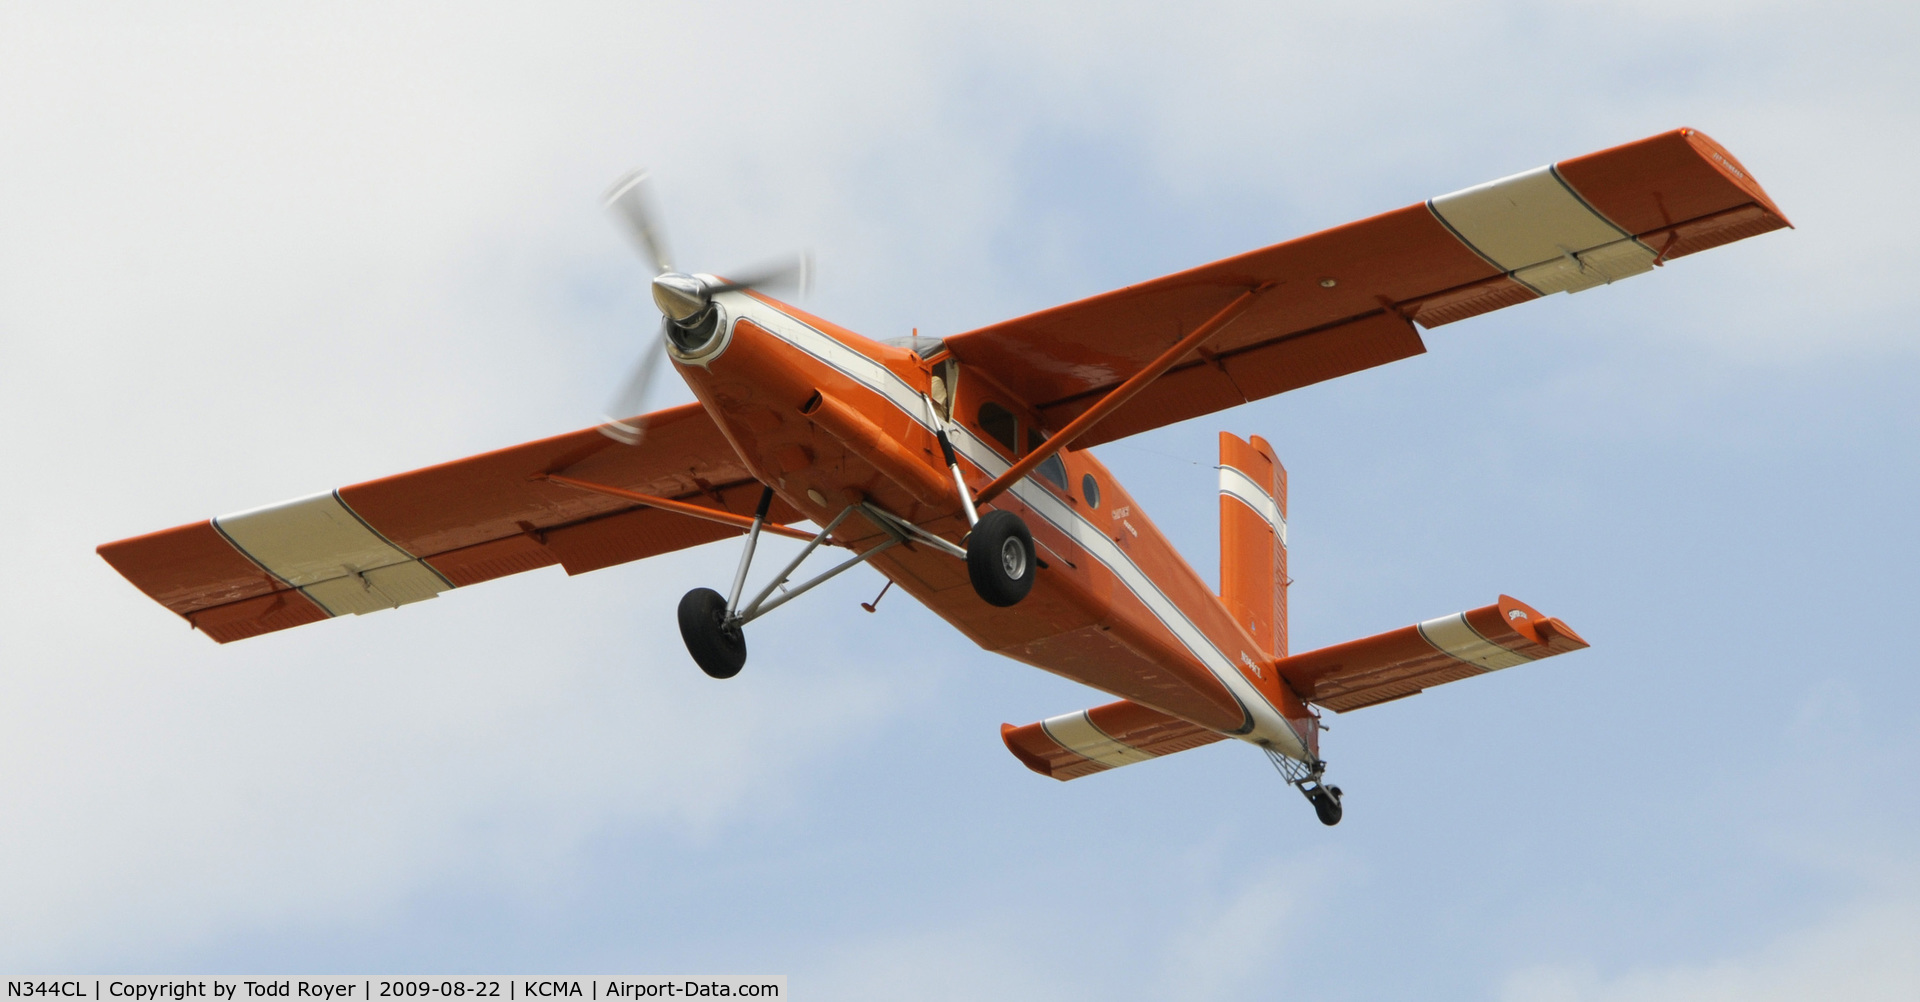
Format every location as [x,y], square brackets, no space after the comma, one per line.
[1253,539]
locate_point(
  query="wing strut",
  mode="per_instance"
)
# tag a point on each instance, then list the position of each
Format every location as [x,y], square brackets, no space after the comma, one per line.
[1119,395]
[667,504]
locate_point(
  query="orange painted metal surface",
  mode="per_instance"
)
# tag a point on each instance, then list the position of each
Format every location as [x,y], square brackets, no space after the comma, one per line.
[281,610]
[719,516]
[1083,422]
[189,568]
[1138,727]
[830,419]
[1253,556]
[1402,662]
[1677,189]
[473,519]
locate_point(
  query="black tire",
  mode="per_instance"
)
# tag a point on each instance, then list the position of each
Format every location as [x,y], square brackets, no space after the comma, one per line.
[1327,806]
[719,650]
[1000,558]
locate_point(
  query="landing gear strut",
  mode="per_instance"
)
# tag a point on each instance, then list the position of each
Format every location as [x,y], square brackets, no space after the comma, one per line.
[712,625]
[999,553]
[999,556]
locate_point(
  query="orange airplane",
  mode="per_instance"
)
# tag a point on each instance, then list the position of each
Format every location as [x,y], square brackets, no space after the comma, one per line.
[960,468]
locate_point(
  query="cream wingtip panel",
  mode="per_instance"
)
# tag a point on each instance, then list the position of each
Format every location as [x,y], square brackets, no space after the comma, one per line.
[1544,234]
[320,546]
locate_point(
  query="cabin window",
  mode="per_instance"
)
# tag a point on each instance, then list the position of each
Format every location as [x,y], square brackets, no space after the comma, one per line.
[999,424]
[1051,469]
[1090,489]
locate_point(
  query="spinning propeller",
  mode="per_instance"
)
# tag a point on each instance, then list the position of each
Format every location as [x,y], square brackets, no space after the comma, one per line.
[685,301]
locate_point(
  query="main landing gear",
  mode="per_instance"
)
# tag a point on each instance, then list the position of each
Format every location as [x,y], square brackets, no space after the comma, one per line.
[717,645]
[999,556]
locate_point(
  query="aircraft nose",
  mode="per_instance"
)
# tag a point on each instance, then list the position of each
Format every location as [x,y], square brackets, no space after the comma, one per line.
[679,296]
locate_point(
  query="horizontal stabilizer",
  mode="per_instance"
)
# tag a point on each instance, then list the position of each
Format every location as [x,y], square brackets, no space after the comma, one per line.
[1078,744]
[1401,663]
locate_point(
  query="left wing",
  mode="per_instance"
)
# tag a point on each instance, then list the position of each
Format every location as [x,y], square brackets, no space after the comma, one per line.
[407,538]
[1347,298]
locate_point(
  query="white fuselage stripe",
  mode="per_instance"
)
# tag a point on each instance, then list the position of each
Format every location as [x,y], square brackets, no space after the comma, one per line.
[1456,638]
[1077,733]
[1246,490]
[1265,724]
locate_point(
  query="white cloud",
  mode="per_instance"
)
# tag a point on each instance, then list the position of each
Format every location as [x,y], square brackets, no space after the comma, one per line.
[1242,939]
[1864,953]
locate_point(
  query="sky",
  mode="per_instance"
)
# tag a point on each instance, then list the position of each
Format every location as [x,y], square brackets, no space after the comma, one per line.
[248,253]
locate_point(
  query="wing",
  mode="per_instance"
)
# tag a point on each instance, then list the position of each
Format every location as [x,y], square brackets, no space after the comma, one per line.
[1347,298]
[1403,662]
[407,538]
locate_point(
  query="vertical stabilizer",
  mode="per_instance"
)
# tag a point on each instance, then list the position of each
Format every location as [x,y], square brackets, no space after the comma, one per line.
[1253,539]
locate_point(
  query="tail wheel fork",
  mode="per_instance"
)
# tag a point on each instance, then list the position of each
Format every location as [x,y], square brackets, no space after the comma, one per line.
[1307,777]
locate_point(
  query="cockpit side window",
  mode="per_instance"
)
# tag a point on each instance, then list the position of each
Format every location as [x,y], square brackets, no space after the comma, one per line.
[1051,468]
[1000,424]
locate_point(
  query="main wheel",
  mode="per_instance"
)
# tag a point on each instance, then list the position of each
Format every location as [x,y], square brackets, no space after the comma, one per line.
[1000,558]
[720,650]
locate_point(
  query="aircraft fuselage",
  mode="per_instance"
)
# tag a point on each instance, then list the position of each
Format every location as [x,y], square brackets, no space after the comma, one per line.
[829,418]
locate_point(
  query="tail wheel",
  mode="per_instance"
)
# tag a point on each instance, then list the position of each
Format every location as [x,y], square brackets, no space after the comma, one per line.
[1000,558]
[720,650]
[1326,804]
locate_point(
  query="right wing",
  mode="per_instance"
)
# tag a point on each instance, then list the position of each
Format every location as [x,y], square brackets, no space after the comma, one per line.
[1401,663]
[1346,299]
[406,538]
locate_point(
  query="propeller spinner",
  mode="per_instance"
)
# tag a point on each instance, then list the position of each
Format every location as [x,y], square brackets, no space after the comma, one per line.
[685,301]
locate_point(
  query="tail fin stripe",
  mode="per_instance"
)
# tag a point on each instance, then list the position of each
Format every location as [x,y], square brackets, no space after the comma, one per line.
[1244,489]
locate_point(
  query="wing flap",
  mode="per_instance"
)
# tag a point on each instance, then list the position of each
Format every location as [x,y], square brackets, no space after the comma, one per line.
[1406,661]
[1094,344]
[1106,737]
[1225,378]
[1340,300]
[633,535]
[494,559]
